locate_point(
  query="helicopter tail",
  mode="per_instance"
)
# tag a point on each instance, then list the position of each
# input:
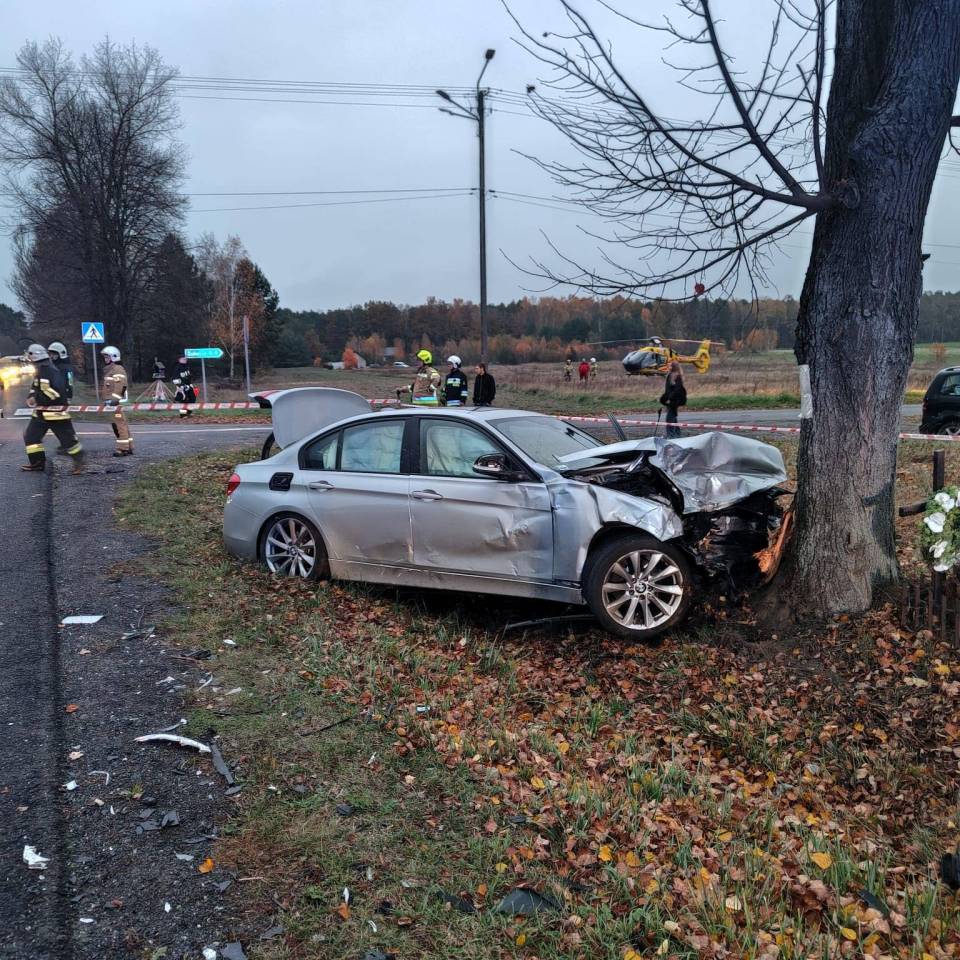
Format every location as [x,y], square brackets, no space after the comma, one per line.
[701,359]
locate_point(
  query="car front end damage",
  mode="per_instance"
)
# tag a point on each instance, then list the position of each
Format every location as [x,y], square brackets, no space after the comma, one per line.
[719,494]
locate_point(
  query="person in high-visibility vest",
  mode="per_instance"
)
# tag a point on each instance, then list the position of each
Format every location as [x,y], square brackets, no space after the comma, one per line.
[48,391]
[115,394]
[425,389]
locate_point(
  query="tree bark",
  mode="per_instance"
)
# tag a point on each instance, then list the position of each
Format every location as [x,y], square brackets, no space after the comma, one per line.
[897,66]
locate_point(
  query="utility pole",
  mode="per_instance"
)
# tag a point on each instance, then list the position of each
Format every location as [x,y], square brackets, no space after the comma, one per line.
[484,332]
[477,116]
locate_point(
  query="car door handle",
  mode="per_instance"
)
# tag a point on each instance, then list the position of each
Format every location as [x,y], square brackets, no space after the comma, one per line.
[320,485]
[426,495]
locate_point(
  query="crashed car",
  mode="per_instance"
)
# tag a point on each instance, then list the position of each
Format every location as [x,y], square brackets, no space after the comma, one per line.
[507,502]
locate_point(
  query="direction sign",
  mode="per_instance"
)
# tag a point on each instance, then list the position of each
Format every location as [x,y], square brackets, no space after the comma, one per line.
[91,332]
[202,353]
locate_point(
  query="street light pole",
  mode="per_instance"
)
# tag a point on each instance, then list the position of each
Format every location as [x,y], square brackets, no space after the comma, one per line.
[477,116]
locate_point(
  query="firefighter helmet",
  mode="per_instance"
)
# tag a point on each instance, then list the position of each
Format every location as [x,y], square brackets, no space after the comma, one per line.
[425,356]
[110,354]
[58,350]
[37,352]
[454,359]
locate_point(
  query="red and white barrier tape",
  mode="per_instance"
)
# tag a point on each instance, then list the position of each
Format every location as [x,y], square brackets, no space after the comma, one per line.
[624,421]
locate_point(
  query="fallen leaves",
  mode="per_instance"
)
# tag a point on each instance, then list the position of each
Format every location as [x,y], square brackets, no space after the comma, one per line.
[605,853]
[206,866]
[823,860]
[71,708]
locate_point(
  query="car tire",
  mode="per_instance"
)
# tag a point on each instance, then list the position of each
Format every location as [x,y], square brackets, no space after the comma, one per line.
[637,586]
[267,450]
[291,546]
[951,428]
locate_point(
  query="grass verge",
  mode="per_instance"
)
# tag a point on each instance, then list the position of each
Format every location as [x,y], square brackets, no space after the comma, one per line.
[699,798]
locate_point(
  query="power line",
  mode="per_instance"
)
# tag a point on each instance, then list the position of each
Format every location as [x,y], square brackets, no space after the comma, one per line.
[336,203]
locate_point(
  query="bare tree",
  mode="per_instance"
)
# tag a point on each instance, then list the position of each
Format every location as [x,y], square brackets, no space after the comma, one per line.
[849,134]
[222,265]
[92,164]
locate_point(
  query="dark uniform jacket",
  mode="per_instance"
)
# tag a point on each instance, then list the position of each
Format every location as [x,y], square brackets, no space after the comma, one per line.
[49,389]
[455,387]
[67,370]
[674,393]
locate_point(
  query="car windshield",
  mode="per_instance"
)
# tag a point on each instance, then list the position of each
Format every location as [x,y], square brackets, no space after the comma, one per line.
[545,439]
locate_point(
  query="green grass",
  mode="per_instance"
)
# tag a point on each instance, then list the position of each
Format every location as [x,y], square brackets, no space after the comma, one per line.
[686,787]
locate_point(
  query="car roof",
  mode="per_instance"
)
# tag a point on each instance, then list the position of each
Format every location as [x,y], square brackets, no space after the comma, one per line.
[485,414]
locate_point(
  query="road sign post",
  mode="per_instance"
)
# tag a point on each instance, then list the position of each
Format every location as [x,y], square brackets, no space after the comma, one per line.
[92,333]
[203,354]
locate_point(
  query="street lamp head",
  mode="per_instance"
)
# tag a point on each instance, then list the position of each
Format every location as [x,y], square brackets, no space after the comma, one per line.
[445,95]
[489,54]
[531,87]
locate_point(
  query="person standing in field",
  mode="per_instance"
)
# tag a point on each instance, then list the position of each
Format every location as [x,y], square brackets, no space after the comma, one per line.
[673,398]
[455,386]
[568,370]
[48,397]
[425,389]
[593,368]
[484,387]
[584,370]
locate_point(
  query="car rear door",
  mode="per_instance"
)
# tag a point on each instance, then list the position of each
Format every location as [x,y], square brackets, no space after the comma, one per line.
[358,493]
[465,523]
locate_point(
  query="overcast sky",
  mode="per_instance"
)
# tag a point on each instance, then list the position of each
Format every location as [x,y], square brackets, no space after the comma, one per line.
[402,250]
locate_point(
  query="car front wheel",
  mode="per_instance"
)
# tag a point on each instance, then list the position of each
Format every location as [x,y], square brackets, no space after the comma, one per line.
[292,547]
[638,587]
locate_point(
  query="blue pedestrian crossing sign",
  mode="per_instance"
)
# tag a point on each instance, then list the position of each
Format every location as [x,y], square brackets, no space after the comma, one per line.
[91,332]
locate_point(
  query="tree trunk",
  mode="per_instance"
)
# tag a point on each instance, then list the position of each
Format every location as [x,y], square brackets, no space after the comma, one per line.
[895,80]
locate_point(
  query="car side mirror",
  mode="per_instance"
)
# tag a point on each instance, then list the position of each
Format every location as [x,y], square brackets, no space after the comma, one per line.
[496,466]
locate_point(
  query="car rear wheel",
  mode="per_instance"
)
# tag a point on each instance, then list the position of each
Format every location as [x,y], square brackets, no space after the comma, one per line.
[638,587]
[951,428]
[292,547]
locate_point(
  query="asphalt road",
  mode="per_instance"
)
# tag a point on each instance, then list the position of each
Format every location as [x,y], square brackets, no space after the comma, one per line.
[107,888]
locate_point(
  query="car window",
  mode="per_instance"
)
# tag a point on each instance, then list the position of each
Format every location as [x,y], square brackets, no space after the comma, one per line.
[951,385]
[544,439]
[449,449]
[372,447]
[322,453]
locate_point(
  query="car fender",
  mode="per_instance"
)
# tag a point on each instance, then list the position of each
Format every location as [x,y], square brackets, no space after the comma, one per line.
[582,510]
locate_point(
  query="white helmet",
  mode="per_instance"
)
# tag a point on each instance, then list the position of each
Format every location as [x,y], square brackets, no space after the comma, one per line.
[454,359]
[110,353]
[593,359]
[58,350]
[37,352]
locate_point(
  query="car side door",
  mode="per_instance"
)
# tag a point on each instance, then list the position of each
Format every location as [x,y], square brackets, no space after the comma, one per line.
[469,524]
[359,493]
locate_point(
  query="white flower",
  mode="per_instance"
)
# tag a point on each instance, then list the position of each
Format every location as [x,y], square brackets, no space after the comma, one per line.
[939,548]
[936,521]
[944,501]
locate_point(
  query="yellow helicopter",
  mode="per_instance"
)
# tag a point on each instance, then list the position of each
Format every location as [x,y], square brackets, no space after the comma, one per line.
[655,357]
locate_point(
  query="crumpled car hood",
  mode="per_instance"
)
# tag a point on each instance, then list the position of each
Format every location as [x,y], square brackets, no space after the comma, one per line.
[712,470]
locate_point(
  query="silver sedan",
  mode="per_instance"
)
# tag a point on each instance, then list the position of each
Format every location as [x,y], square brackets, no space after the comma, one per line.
[508,502]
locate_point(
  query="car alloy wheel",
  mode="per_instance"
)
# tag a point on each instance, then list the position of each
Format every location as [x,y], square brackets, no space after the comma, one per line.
[291,548]
[637,586]
[643,589]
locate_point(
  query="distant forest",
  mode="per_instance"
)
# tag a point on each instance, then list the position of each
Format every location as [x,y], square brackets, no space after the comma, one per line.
[552,328]
[548,329]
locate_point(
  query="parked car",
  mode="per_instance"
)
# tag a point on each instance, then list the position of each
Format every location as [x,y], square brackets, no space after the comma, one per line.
[400,363]
[506,502]
[941,403]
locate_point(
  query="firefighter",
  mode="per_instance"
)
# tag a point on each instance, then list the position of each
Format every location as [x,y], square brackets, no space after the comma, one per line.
[568,370]
[115,392]
[183,381]
[426,386]
[60,358]
[455,392]
[593,368]
[48,392]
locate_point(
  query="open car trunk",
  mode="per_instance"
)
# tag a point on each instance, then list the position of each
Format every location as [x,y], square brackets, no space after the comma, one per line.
[300,411]
[725,488]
